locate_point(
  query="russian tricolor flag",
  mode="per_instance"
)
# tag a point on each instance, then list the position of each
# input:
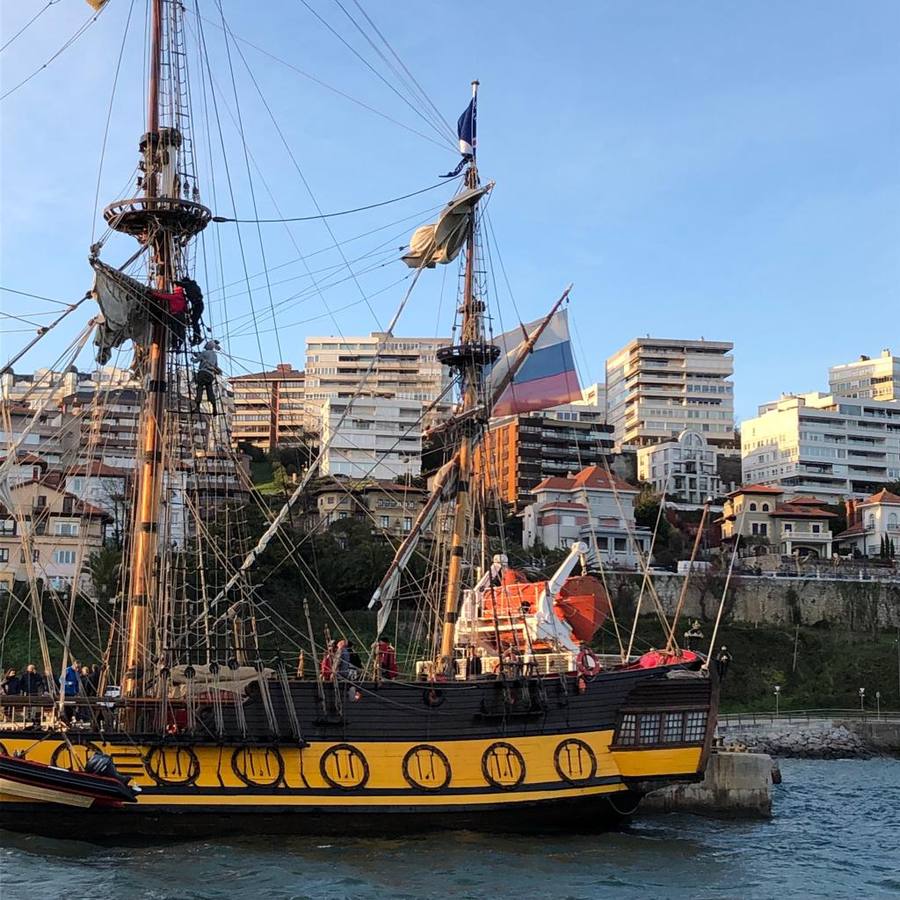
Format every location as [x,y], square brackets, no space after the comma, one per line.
[547,378]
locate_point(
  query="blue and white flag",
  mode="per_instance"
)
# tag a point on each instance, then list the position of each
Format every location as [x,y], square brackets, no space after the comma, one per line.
[465,129]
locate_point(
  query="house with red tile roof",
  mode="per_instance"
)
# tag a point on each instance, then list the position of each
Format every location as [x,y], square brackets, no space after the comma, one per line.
[593,506]
[761,517]
[870,523]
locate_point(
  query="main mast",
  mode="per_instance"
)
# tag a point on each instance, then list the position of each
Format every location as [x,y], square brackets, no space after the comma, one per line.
[163,222]
[469,357]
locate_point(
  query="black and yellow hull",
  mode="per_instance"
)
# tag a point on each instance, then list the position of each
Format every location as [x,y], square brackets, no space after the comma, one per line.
[534,754]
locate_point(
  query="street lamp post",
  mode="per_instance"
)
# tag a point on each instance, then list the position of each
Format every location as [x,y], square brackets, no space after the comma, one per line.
[862,699]
[878,703]
[777,699]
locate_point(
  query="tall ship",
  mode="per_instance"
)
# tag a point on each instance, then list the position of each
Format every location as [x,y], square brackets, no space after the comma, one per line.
[216,709]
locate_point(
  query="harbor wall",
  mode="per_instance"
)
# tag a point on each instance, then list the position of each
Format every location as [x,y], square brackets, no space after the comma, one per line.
[856,605]
[815,738]
[735,785]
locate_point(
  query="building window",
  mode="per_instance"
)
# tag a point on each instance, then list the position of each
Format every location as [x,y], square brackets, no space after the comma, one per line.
[673,728]
[817,529]
[648,733]
[695,727]
[40,501]
[627,730]
[64,557]
[4,554]
[35,555]
[620,545]
[752,507]
[69,529]
[788,527]
[385,521]
[8,526]
[759,528]
[407,523]
[765,507]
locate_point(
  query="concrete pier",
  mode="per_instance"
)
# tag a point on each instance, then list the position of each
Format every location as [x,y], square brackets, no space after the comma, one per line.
[735,785]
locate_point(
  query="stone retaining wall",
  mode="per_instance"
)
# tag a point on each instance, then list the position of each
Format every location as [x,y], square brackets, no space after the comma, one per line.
[857,605]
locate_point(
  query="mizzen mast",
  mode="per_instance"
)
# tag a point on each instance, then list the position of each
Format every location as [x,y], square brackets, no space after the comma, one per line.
[469,358]
[162,221]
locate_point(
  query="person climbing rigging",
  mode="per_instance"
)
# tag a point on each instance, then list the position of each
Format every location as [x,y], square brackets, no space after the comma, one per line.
[175,307]
[207,370]
[195,299]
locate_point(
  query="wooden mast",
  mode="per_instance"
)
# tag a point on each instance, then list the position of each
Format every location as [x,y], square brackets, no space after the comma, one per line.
[471,339]
[143,562]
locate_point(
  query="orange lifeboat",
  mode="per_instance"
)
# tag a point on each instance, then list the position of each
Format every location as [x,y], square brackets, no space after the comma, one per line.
[582,603]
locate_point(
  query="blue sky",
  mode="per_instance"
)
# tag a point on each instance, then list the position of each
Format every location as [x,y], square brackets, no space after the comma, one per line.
[720,169]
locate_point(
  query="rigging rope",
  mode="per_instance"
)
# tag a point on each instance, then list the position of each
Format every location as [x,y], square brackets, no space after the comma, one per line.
[334,215]
[78,33]
[29,23]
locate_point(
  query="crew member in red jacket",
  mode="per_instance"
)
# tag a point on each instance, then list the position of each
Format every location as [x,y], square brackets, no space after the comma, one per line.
[175,307]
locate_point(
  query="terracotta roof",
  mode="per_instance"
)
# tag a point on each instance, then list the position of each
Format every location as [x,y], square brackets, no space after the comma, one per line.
[802,511]
[852,531]
[883,496]
[592,477]
[805,501]
[756,489]
[27,459]
[98,468]
[275,374]
[563,504]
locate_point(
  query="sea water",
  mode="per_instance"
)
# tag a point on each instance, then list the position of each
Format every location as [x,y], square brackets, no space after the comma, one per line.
[835,834]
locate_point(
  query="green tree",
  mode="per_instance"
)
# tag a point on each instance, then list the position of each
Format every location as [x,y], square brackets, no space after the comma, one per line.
[105,569]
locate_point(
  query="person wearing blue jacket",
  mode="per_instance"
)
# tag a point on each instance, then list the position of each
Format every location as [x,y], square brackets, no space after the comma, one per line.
[72,679]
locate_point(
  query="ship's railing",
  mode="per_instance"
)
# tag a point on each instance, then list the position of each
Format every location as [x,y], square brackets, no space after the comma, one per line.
[809,715]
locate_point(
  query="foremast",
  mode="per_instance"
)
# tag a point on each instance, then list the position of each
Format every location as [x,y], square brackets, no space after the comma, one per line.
[163,222]
[469,358]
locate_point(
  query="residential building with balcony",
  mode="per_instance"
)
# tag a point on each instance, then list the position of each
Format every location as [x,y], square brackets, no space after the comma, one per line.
[377,437]
[518,452]
[870,524]
[765,520]
[658,387]
[49,534]
[388,507]
[685,470]
[822,445]
[868,378]
[592,506]
[404,368]
[271,409]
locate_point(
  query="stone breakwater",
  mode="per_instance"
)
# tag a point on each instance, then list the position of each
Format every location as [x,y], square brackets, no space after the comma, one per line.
[812,741]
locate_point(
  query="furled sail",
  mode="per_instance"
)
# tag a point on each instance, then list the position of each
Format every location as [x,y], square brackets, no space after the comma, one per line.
[442,241]
[383,598]
[124,303]
[545,378]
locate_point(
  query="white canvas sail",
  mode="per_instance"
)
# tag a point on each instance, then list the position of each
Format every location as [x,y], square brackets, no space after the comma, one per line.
[124,304]
[442,241]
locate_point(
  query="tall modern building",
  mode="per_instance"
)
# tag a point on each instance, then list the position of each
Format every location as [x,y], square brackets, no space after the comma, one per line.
[404,368]
[657,388]
[867,378]
[270,408]
[821,445]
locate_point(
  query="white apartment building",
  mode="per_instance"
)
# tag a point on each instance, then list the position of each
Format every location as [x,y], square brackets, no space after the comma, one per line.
[685,470]
[379,438]
[405,368]
[867,378]
[656,388]
[822,445]
[45,388]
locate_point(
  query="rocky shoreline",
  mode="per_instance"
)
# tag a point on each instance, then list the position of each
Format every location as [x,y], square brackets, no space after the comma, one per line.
[813,742]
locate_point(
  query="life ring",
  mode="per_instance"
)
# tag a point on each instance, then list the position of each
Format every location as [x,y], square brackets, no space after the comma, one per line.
[587,663]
